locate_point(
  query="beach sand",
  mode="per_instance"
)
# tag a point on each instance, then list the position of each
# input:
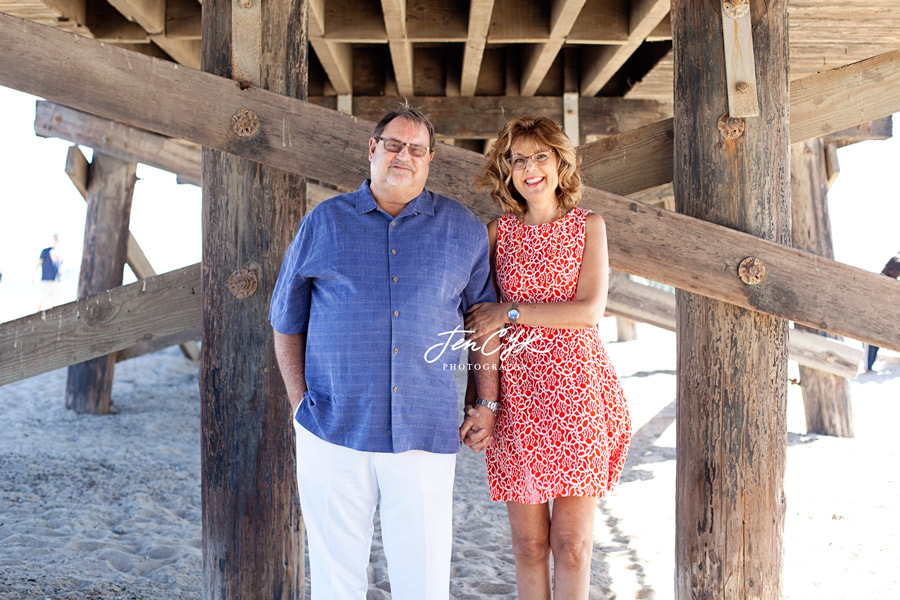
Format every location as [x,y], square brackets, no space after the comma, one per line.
[109,507]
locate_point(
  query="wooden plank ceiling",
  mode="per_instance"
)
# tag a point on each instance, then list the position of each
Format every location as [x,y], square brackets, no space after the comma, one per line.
[481,47]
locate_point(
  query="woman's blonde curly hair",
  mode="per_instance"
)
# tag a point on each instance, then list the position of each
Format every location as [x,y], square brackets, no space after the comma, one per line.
[497,174]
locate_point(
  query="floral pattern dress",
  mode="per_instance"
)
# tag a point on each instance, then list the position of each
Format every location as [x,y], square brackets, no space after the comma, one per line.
[563,427]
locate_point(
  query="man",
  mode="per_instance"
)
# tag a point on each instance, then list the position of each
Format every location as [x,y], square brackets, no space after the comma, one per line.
[372,281]
[49,263]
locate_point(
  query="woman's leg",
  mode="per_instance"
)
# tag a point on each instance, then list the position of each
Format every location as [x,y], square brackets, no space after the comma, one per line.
[572,541]
[530,527]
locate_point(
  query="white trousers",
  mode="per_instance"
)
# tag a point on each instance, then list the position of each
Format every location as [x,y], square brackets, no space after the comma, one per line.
[339,488]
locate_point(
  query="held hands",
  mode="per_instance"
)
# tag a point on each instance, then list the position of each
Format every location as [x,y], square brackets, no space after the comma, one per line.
[485,318]
[477,430]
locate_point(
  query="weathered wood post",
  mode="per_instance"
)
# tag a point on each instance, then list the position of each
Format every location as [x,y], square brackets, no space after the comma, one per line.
[626,329]
[826,397]
[109,193]
[732,363]
[252,528]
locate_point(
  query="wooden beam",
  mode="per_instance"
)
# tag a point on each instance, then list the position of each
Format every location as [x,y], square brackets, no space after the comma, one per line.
[183,19]
[826,398]
[184,339]
[149,14]
[655,306]
[401,47]
[600,63]
[336,57]
[99,325]
[185,52]
[77,168]
[250,214]
[538,58]
[120,140]
[732,363]
[295,135]
[879,129]
[833,100]
[869,86]
[481,117]
[476,40]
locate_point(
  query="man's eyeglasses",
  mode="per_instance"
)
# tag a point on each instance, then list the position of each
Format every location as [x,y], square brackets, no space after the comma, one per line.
[396,146]
[538,158]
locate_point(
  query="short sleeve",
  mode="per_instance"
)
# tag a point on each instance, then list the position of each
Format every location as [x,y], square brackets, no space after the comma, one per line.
[480,287]
[289,310]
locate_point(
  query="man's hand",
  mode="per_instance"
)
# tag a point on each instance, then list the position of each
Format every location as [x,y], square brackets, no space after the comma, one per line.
[477,429]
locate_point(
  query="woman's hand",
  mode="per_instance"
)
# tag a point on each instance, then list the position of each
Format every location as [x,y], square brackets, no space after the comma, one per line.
[485,318]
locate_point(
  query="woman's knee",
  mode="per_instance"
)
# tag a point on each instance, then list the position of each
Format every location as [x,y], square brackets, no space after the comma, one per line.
[531,550]
[573,550]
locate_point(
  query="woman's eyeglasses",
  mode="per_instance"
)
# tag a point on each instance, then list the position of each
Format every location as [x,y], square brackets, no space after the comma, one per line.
[517,163]
[396,146]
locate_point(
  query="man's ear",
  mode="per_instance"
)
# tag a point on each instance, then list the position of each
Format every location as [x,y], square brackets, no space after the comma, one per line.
[372,143]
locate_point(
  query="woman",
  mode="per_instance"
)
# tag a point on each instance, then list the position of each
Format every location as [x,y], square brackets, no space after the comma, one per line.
[563,427]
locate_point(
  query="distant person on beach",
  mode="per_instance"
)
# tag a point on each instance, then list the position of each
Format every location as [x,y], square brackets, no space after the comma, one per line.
[374,286]
[563,429]
[49,264]
[891,269]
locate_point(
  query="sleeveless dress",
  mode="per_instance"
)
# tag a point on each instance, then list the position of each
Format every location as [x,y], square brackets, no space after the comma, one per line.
[563,427]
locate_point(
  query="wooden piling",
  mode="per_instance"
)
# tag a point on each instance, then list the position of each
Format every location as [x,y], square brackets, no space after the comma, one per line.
[252,528]
[109,193]
[732,363]
[826,397]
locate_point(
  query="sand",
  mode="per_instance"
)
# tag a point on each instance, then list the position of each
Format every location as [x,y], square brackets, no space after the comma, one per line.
[109,507]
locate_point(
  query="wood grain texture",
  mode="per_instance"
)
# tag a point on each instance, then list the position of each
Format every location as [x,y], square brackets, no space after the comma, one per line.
[98,325]
[826,398]
[252,528]
[109,193]
[732,363]
[294,136]
[654,306]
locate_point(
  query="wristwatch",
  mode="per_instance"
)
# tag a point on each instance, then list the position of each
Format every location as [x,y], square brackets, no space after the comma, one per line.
[494,407]
[513,313]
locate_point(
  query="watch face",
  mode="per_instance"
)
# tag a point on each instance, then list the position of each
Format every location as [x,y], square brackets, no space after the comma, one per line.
[513,313]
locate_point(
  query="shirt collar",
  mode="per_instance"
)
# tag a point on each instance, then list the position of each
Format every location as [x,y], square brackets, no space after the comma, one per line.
[421,204]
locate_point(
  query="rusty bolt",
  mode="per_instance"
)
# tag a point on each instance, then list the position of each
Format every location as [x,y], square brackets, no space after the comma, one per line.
[742,87]
[244,3]
[736,8]
[731,127]
[243,282]
[752,270]
[245,123]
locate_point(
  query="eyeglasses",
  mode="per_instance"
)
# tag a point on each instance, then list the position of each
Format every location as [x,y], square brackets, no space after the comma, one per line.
[538,158]
[396,146]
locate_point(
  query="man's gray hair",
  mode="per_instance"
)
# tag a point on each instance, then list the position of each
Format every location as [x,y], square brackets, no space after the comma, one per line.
[405,111]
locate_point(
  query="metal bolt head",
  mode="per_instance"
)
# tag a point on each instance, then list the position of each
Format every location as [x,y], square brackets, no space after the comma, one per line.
[742,87]
[731,127]
[752,270]
[245,123]
[243,282]
[735,8]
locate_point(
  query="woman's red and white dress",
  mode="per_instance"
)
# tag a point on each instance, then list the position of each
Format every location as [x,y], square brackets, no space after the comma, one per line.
[563,427]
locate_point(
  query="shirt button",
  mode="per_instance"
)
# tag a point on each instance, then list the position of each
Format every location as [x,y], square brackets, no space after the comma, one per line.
[396,313]
[393,223]
[395,389]
[393,251]
[395,280]
[396,350]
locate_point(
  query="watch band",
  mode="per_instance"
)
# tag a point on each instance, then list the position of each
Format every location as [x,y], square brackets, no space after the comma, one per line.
[494,407]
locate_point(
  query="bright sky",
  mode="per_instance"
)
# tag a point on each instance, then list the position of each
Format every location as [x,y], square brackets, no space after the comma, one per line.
[37,200]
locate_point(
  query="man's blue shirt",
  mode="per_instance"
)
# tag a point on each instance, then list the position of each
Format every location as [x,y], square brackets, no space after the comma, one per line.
[373,294]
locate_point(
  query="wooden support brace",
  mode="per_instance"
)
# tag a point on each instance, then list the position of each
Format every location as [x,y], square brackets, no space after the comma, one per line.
[570,117]
[246,40]
[77,168]
[101,324]
[740,69]
[646,304]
